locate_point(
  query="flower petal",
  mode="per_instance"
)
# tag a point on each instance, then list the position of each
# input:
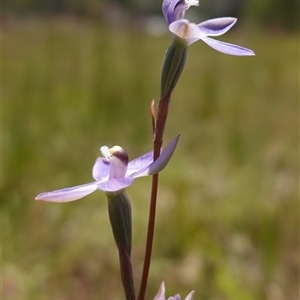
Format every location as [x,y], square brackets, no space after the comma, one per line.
[101,169]
[168,9]
[175,9]
[139,163]
[190,296]
[161,292]
[161,162]
[68,194]
[227,48]
[115,184]
[215,27]
[186,30]
[176,297]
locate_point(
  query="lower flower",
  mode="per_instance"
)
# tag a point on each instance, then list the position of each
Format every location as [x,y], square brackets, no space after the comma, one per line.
[161,294]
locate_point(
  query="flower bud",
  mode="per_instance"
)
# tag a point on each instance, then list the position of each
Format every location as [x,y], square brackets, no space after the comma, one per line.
[173,64]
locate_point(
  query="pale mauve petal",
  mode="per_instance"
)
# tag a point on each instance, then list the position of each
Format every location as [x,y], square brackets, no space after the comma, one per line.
[176,297]
[161,292]
[68,194]
[101,169]
[161,162]
[216,27]
[168,9]
[175,9]
[115,184]
[139,163]
[190,296]
[186,31]
[227,48]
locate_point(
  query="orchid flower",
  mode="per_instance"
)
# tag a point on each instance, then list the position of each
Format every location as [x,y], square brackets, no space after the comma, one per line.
[189,32]
[161,294]
[113,173]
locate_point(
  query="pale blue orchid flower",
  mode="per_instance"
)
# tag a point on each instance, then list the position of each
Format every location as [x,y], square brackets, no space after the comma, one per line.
[113,173]
[189,32]
[161,294]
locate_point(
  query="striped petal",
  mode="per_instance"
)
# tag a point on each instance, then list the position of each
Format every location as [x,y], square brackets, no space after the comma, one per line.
[168,9]
[175,9]
[101,169]
[161,162]
[68,194]
[227,48]
[139,163]
[115,184]
[216,27]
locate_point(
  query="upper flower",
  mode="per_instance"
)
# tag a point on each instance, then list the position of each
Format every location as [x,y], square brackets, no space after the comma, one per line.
[161,294]
[113,173]
[174,10]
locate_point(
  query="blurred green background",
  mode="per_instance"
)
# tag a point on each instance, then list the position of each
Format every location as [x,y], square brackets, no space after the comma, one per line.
[228,210]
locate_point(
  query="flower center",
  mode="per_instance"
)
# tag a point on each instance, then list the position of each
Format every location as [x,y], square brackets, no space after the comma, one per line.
[118,159]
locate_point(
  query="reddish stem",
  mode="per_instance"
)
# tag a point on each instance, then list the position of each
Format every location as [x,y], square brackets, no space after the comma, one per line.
[150,234]
[162,114]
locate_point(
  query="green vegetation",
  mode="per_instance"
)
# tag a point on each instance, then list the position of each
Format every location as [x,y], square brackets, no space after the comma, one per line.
[227,220]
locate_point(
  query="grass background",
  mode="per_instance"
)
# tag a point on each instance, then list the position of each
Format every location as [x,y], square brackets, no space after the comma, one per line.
[228,210]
